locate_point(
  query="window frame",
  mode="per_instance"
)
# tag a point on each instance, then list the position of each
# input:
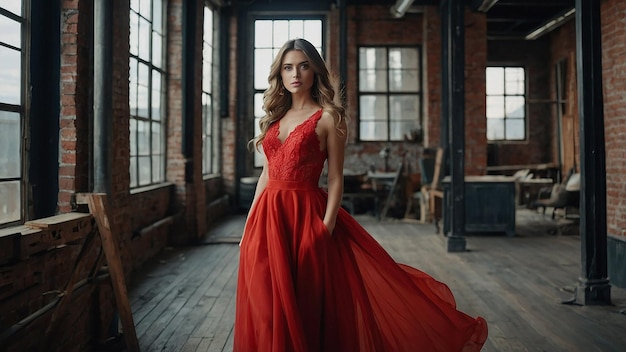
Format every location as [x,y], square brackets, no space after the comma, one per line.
[419,93]
[150,120]
[21,109]
[504,95]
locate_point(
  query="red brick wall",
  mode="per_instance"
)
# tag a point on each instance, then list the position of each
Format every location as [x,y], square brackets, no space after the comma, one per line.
[75,85]
[614,77]
[475,102]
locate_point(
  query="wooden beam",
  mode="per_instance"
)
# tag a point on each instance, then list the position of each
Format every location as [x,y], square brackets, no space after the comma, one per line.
[99,208]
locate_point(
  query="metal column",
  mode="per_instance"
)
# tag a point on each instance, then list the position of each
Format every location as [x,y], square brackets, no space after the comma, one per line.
[593,285]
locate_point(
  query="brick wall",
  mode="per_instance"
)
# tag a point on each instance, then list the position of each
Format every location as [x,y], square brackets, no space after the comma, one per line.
[614,78]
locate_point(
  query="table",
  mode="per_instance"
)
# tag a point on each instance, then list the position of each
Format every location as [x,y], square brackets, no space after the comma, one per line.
[489,204]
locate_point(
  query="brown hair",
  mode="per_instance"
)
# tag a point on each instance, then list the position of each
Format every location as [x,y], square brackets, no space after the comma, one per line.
[276,105]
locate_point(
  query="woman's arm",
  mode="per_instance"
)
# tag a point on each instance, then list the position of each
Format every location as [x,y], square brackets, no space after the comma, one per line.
[335,145]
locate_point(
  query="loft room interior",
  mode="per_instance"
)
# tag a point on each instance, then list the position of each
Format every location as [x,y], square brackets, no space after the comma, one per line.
[153,102]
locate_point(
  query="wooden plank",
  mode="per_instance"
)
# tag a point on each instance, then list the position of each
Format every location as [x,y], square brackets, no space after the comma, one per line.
[99,208]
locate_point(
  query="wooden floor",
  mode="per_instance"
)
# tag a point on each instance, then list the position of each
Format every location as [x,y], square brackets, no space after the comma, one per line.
[185,299]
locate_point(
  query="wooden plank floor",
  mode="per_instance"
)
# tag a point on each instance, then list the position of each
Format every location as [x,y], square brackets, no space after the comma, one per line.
[184,300]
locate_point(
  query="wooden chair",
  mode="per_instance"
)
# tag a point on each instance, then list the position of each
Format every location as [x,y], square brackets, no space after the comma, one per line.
[392,190]
[432,194]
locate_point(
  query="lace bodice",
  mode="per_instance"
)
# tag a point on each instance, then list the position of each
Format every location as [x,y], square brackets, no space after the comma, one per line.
[299,157]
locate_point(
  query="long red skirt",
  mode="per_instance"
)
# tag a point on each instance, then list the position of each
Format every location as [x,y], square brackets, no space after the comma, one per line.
[301,289]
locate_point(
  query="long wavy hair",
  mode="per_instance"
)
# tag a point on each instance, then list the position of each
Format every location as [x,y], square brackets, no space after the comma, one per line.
[276,104]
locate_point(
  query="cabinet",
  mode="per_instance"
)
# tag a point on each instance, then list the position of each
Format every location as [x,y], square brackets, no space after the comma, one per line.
[489,204]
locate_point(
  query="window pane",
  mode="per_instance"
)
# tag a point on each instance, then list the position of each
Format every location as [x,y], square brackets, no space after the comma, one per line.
[403,80]
[157,52]
[10,32]
[10,145]
[157,18]
[495,80]
[207,33]
[143,138]
[514,80]
[515,107]
[11,205]
[373,80]
[370,58]
[206,77]
[515,129]
[373,107]
[134,33]
[156,96]
[132,94]
[495,129]
[261,39]
[157,168]
[401,129]
[495,107]
[144,39]
[14,6]
[156,138]
[313,32]
[10,76]
[144,8]
[280,33]
[133,137]
[262,61]
[296,29]
[133,171]
[142,101]
[373,131]
[258,105]
[144,170]
[207,113]
[404,107]
[403,58]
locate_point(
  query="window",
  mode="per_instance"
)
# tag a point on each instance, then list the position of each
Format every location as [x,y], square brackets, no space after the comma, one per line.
[506,104]
[270,35]
[210,123]
[12,107]
[390,93]
[147,93]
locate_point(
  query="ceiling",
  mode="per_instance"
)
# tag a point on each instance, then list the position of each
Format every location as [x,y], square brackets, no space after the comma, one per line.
[508,19]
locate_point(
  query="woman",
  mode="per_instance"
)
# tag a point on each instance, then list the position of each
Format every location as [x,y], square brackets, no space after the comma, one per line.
[310,277]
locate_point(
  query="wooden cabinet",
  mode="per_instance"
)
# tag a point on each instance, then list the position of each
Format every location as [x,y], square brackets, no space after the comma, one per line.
[489,204]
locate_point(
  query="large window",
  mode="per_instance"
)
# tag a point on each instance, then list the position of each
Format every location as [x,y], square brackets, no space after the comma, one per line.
[147,92]
[506,104]
[12,107]
[269,37]
[210,122]
[390,93]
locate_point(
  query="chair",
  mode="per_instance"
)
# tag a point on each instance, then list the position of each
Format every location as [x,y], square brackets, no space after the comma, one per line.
[431,194]
[392,190]
[563,196]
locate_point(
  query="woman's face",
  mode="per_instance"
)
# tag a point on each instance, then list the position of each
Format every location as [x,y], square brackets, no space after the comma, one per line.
[296,72]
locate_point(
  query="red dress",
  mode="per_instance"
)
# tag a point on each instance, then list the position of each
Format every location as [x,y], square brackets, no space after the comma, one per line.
[301,289]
